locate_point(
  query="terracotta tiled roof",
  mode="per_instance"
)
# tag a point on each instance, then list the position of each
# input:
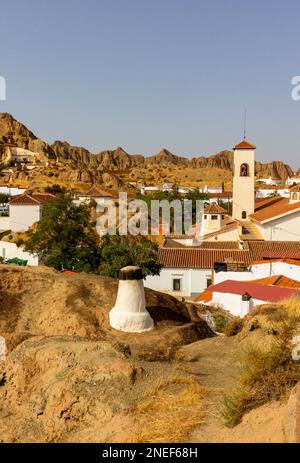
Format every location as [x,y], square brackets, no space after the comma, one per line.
[261,203]
[169,243]
[295,188]
[277,209]
[260,250]
[244,145]
[31,200]
[195,257]
[199,258]
[214,209]
[257,291]
[96,193]
[205,296]
[278,280]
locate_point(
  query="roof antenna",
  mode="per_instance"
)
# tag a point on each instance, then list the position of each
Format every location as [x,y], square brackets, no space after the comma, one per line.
[245,123]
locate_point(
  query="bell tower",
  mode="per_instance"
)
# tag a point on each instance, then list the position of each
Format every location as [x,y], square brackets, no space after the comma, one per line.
[243,180]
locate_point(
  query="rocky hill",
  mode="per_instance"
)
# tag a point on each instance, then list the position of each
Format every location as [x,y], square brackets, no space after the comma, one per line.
[83,166]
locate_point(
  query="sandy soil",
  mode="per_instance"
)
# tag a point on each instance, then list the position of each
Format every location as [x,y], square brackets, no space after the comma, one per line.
[216,361]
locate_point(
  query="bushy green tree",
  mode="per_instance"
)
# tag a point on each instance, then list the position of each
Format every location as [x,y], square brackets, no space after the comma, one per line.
[119,251]
[66,237]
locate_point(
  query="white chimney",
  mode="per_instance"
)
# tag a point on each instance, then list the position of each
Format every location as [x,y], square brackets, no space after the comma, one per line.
[129,313]
[246,304]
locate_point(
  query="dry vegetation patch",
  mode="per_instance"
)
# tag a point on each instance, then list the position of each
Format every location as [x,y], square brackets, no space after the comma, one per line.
[170,410]
[268,371]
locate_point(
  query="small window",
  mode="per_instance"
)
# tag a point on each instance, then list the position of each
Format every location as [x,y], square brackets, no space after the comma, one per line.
[214,217]
[244,215]
[208,282]
[176,284]
[222,217]
[205,217]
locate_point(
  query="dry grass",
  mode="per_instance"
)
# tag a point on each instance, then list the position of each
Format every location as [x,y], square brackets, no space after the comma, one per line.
[268,371]
[170,410]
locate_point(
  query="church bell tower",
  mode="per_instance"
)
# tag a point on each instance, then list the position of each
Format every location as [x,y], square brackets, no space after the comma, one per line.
[243,180]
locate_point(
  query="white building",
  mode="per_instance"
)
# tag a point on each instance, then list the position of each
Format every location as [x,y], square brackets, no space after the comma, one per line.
[26,209]
[269,181]
[11,250]
[11,190]
[19,155]
[100,196]
[188,271]
[278,219]
[239,297]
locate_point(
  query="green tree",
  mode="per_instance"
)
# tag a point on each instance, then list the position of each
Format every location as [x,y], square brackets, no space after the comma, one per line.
[119,251]
[66,237]
[4,198]
[55,189]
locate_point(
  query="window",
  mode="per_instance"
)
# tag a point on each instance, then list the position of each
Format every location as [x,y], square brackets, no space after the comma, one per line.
[244,172]
[214,217]
[222,217]
[205,217]
[208,281]
[176,284]
[244,215]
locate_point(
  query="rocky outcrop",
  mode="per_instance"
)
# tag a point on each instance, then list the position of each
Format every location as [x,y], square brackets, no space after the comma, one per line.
[81,160]
[275,169]
[15,133]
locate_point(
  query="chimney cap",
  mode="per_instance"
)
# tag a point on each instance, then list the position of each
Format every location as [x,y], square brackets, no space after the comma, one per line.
[131,272]
[246,296]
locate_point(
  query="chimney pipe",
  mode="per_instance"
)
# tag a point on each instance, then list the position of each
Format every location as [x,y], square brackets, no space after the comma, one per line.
[129,313]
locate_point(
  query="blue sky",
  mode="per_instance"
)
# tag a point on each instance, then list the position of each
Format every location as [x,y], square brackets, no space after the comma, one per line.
[151,74]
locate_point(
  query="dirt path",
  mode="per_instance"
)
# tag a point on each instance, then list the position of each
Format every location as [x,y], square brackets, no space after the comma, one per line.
[216,361]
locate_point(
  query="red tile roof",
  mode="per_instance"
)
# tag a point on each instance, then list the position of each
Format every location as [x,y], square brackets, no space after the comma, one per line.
[277,209]
[295,188]
[257,291]
[278,280]
[199,258]
[214,209]
[260,250]
[96,193]
[26,199]
[244,145]
[206,257]
[169,243]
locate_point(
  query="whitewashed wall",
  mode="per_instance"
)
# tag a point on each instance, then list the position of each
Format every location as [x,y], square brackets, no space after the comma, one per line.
[193,281]
[282,229]
[22,217]
[13,191]
[261,271]
[233,303]
[4,223]
[11,250]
